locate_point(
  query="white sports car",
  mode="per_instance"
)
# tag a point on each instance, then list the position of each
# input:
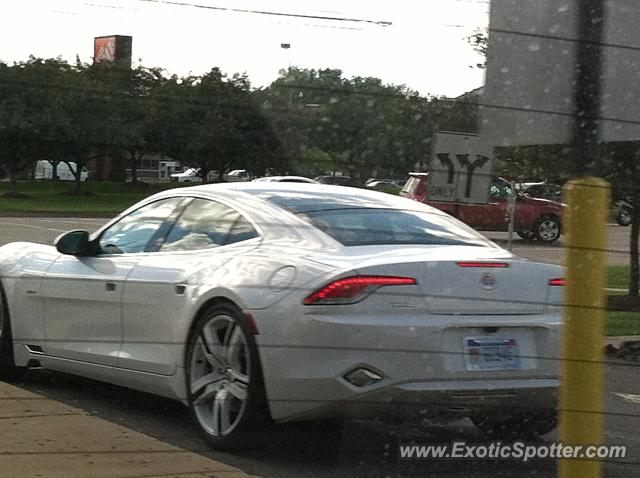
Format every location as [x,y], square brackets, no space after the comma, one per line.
[255,303]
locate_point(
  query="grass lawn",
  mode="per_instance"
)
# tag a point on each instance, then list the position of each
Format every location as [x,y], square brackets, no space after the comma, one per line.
[48,197]
[622,323]
[618,277]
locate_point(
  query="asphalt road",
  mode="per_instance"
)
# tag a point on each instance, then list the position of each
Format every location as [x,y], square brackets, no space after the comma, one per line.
[364,448]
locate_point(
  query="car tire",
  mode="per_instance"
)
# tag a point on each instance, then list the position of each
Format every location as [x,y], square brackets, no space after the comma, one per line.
[223,375]
[624,216]
[547,229]
[514,426]
[8,369]
[526,235]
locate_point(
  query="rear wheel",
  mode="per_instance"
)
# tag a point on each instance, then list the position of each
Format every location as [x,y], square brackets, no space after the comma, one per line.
[547,229]
[8,369]
[223,375]
[520,425]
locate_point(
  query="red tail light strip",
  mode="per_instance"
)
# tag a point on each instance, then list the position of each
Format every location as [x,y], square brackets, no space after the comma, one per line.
[557,282]
[353,289]
[498,265]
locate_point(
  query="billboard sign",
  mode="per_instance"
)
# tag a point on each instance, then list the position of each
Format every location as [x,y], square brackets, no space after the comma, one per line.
[110,49]
[461,168]
[531,65]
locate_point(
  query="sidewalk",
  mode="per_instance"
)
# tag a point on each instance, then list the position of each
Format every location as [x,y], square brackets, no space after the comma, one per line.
[44,438]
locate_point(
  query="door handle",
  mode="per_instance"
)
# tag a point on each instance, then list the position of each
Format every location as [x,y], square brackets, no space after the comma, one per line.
[110,286]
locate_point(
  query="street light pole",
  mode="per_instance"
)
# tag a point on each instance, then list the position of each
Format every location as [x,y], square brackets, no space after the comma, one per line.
[287,46]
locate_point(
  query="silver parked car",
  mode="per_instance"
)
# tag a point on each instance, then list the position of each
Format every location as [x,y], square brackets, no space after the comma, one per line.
[255,303]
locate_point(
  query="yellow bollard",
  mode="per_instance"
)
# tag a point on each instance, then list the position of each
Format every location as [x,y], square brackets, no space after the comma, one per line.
[581,392]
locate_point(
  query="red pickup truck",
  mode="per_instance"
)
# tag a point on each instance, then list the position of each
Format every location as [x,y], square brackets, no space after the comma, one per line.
[534,218]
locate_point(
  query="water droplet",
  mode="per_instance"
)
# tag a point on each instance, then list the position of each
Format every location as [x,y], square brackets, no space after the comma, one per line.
[534,46]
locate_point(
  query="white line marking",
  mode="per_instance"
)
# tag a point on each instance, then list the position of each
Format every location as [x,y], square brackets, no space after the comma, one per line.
[27,226]
[628,397]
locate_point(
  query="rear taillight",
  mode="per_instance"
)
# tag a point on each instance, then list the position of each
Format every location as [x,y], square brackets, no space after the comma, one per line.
[499,265]
[557,282]
[353,289]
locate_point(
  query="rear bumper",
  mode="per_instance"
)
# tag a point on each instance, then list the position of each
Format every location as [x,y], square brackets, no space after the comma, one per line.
[415,401]
[421,365]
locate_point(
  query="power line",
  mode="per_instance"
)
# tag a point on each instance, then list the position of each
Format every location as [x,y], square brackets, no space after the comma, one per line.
[381,23]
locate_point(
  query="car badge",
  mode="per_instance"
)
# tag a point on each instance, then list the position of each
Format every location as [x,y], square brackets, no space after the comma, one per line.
[488,281]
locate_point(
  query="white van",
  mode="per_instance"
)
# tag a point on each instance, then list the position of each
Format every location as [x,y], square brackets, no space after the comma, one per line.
[44,170]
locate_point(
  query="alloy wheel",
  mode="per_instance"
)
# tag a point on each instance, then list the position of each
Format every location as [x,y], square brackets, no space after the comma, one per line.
[220,371]
[548,230]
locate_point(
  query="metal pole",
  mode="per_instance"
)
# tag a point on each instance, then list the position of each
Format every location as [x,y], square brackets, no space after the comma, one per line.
[511,211]
[581,393]
[591,16]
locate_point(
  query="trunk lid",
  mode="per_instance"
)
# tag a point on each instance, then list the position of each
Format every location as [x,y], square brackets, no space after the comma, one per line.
[459,280]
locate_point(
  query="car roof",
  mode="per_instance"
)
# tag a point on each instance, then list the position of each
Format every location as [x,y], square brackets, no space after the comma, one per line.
[307,193]
[284,179]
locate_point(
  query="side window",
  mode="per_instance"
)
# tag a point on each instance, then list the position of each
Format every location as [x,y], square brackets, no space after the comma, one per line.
[133,232]
[207,224]
[500,190]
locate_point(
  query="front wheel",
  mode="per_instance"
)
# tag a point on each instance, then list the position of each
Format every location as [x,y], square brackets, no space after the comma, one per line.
[547,229]
[223,375]
[513,426]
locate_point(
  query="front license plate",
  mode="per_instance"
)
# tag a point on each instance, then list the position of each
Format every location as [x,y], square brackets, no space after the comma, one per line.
[490,353]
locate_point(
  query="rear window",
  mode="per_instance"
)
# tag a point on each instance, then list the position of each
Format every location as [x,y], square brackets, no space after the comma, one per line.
[360,219]
[363,227]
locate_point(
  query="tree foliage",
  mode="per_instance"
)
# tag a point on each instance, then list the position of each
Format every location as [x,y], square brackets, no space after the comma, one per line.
[211,123]
[308,121]
[358,126]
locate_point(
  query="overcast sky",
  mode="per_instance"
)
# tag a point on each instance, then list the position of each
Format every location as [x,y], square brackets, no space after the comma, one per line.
[424,48]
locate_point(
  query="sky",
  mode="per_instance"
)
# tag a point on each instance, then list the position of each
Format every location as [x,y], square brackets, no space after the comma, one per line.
[423,48]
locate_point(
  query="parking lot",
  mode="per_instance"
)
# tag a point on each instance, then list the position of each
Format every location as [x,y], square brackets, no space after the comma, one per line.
[364,448]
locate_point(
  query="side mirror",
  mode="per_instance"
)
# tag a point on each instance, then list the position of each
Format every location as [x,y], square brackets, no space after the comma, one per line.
[74,243]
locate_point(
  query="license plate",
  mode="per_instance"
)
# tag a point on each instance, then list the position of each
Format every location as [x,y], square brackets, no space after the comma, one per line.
[490,353]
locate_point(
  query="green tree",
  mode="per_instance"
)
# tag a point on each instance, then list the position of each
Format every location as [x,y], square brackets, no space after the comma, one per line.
[211,123]
[369,127]
[92,126]
[137,114]
[31,112]
[479,41]
[363,126]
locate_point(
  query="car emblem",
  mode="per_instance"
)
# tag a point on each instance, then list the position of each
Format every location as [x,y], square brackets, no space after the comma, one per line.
[488,281]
